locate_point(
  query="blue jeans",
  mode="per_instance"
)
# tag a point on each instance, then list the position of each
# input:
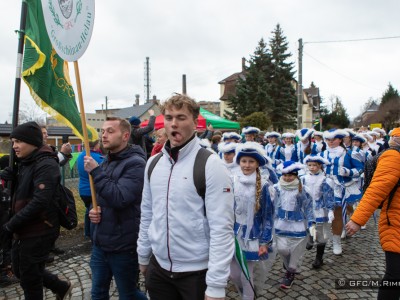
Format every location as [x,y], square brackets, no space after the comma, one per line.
[123,266]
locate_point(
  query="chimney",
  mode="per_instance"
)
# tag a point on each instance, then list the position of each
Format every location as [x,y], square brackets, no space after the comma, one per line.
[243,64]
[184,84]
[154,100]
[137,99]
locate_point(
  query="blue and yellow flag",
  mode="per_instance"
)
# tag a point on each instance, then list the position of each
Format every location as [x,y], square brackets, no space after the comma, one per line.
[47,74]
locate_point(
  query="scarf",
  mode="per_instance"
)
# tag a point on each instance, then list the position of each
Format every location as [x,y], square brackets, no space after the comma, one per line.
[335,152]
[246,191]
[289,185]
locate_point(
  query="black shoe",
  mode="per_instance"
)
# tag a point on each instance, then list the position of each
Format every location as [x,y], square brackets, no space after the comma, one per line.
[317,263]
[310,243]
[57,251]
[7,278]
[65,293]
[50,259]
[287,281]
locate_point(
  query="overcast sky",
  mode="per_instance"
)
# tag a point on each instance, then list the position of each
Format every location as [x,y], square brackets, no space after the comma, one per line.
[207,39]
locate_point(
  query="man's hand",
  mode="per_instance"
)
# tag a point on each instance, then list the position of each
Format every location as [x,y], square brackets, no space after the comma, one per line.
[95,216]
[151,112]
[352,228]
[143,269]
[7,174]
[66,149]
[89,164]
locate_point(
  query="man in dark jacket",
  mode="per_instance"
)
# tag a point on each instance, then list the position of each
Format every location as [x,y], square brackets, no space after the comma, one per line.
[119,183]
[138,134]
[34,223]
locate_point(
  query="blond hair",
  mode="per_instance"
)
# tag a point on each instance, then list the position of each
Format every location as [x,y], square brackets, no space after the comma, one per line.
[179,101]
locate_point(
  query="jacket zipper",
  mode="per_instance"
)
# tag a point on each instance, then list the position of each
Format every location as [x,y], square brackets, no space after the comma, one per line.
[169,253]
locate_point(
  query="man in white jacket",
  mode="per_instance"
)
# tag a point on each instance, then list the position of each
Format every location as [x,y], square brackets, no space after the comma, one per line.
[185,243]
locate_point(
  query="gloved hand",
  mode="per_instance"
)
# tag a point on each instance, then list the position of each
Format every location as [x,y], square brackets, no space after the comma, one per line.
[313,231]
[344,171]
[331,216]
[7,174]
[5,236]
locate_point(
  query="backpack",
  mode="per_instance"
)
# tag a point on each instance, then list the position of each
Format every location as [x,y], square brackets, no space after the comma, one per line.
[199,171]
[369,169]
[65,204]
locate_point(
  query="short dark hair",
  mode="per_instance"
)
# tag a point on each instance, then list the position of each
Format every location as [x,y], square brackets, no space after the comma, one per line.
[123,124]
[180,101]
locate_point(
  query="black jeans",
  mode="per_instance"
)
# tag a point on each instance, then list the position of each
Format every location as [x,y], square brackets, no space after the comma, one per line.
[392,273]
[162,284]
[28,262]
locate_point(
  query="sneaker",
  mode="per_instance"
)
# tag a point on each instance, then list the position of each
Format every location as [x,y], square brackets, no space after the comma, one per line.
[364,227]
[287,281]
[7,278]
[317,263]
[66,293]
[336,245]
[57,251]
[343,236]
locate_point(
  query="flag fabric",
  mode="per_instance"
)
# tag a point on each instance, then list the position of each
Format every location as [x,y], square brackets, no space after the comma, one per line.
[241,259]
[47,75]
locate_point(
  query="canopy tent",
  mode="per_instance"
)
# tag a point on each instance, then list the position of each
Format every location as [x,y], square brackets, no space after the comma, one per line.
[218,122]
[205,118]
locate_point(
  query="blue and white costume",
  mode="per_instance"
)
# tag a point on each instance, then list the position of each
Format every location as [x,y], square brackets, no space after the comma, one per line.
[274,150]
[232,167]
[304,144]
[321,192]
[289,152]
[293,216]
[318,146]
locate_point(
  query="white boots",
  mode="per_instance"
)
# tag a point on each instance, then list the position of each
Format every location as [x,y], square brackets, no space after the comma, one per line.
[336,245]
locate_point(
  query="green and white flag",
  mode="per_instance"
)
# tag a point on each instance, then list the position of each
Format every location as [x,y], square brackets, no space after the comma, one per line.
[47,74]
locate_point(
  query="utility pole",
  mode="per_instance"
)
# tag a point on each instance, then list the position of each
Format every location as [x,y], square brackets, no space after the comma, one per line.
[184,84]
[300,87]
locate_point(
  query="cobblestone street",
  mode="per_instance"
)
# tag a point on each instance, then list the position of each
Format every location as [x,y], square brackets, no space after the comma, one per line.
[362,259]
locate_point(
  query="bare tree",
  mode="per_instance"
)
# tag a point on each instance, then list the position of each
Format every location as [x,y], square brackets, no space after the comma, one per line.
[30,111]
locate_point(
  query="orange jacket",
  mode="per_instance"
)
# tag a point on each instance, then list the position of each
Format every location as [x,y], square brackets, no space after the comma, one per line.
[386,176]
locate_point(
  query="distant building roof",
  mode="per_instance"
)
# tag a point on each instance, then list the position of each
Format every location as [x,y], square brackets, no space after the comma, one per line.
[135,110]
[5,130]
[373,107]
[230,85]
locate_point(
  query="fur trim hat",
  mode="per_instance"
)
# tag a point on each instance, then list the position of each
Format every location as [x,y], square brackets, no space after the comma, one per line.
[316,158]
[290,167]
[335,134]
[227,147]
[250,130]
[135,121]
[304,134]
[318,133]
[205,143]
[395,132]
[231,135]
[351,132]
[380,131]
[29,132]
[252,149]
[374,133]
[367,136]
[360,138]
[272,134]
[288,135]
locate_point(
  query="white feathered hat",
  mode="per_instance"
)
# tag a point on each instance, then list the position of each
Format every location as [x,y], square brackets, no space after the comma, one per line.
[380,131]
[252,149]
[227,147]
[272,134]
[316,158]
[288,135]
[290,167]
[250,130]
[335,133]
[304,134]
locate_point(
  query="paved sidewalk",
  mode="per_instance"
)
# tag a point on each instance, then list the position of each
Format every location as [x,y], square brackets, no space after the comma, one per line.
[362,258]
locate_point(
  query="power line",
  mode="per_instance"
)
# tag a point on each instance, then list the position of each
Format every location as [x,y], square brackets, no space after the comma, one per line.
[354,40]
[344,76]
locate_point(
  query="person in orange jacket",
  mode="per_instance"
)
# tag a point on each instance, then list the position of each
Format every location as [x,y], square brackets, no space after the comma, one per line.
[385,179]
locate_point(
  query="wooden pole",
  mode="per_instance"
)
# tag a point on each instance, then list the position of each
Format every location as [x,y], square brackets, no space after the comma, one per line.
[84,129]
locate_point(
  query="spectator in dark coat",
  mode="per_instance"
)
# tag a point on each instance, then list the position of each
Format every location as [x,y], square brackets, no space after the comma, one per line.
[138,134]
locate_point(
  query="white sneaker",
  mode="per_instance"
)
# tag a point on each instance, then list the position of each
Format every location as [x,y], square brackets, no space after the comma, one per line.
[364,227]
[343,236]
[336,245]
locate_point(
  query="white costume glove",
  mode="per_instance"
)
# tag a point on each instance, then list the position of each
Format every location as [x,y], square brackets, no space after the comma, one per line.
[344,171]
[331,216]
[313,232]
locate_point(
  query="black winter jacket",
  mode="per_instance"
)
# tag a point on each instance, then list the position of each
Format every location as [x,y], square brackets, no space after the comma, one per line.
[33,211]
[119,184]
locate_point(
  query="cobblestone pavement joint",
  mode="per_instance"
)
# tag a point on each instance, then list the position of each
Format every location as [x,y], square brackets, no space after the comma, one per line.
[362,258]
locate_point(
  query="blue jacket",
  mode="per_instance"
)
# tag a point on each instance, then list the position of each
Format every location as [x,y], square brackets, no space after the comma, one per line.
[84,185]
[119,184]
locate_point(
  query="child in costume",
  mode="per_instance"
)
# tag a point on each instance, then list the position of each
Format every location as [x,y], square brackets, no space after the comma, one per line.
[304,145]
[254,212]
[250,133]
[321,192]
[293,218]
[318,145]
[273,149]
[227,154]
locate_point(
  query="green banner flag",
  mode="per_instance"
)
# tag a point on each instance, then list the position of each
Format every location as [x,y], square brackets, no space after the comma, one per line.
[47,75]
